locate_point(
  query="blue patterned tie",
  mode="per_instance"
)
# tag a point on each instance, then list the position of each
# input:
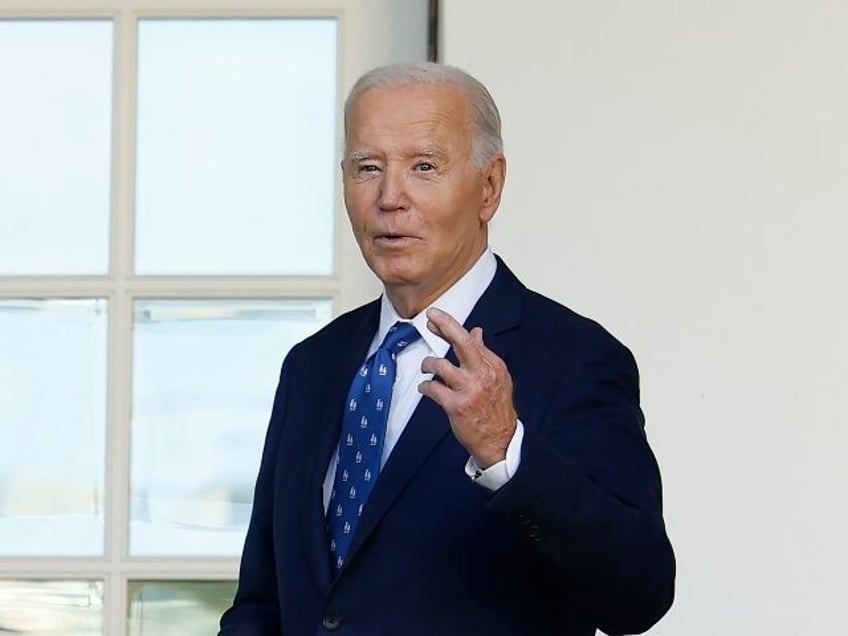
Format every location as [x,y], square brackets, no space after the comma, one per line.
[361,445]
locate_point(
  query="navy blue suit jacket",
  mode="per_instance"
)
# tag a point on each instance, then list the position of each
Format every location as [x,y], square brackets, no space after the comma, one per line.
[575,541]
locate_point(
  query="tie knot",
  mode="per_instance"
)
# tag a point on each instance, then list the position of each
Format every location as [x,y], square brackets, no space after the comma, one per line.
[400,335]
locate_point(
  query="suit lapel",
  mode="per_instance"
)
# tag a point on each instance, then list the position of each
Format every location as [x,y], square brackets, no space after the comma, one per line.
[497,311]
[328,426]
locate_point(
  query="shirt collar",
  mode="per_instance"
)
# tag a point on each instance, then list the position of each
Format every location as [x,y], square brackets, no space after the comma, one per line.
[458,301]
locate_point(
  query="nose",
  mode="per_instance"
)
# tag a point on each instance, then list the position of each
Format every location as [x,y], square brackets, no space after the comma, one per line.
[392,189]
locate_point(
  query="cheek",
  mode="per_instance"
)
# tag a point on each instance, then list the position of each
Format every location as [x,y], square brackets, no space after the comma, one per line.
[356,196]
[357,226]
[356,208]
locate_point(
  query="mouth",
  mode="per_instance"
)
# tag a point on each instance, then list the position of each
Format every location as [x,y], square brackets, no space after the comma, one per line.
[394,239]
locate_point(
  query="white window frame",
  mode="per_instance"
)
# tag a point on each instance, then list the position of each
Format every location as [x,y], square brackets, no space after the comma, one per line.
[370,32]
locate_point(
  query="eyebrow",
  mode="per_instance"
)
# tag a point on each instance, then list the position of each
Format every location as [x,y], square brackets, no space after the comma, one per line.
[358,155]
[427,152]
[430,152]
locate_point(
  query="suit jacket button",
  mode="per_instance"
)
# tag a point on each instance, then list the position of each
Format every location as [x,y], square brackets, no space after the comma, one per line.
[331,620]
[534,532]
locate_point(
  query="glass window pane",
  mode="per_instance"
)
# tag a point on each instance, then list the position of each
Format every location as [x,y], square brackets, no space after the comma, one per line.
[42,608]
[52,426]
[177,608]
[236,146]
[204,375]
[55,127]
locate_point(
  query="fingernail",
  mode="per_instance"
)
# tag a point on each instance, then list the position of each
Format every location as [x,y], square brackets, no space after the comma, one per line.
[434,311]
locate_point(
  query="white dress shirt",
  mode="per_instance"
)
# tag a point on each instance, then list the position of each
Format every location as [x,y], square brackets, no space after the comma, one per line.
[458,301]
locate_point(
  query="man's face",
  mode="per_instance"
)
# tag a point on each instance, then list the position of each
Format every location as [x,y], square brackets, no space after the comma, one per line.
[417,203]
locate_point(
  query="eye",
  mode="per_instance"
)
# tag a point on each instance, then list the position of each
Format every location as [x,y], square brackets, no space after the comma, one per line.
[368,168]
[425,166]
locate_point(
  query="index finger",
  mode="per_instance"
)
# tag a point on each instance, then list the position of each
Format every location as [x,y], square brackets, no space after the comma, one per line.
[463,342]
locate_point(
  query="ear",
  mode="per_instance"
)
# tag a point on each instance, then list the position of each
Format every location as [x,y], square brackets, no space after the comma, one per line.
[493,178]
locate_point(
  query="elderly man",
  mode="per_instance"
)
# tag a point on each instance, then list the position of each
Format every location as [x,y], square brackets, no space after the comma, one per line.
[463,455]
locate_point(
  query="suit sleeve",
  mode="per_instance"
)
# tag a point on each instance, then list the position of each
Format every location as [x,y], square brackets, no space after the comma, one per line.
[255,610]
[587,492]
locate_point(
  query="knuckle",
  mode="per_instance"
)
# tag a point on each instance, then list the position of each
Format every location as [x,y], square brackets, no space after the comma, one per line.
[463,406]
[437,366]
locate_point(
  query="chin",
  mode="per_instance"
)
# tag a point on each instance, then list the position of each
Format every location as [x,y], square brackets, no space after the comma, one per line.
[395,278]
[390,265]
[394,273]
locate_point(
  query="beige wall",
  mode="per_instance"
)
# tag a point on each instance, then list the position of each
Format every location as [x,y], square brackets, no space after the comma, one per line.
[679,170]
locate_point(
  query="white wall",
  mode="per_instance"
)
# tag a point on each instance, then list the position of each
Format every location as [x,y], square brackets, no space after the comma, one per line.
[679,171]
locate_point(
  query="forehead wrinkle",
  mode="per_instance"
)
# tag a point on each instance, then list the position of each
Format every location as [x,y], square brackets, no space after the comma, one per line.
[429,134]
[434,135]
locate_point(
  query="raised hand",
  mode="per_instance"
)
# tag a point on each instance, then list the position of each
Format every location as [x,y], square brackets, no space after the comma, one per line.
[476,395]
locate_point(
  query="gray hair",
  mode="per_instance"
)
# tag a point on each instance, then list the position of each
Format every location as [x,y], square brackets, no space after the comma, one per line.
[486,142]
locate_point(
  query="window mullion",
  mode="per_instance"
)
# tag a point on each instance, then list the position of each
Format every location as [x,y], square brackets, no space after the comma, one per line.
[120,344]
